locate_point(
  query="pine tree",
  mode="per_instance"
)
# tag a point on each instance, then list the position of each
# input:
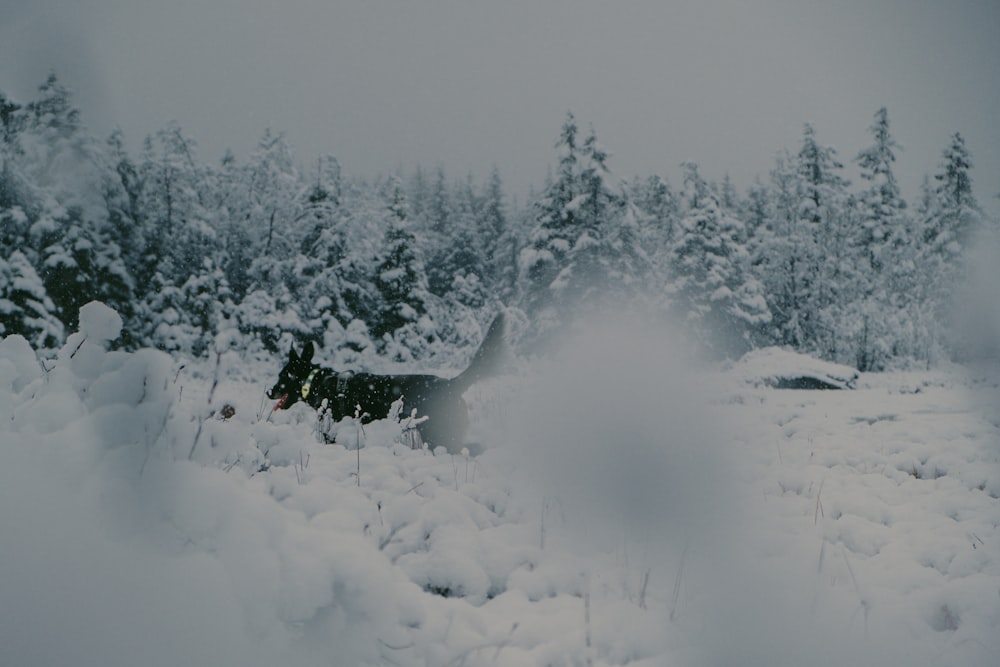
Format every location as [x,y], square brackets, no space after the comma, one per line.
[238,248]
[122,194]
[783,260]
[882,205]
[12,123]
[322,254]
[572,246]
[758,215]
[272,184]
[460,266]
[400,279]
[494,234]
[81,264]
[822,185]
[176,197]
[655,214]
[954,213]
[819,233]
[439,206]
[874,308]
[655,198]
[629,266]
[62,223]
[544,262]
[25,308]
[449,240]
[711,288]
[951,219]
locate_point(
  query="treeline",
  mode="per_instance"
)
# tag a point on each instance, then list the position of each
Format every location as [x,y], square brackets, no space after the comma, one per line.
[411,265]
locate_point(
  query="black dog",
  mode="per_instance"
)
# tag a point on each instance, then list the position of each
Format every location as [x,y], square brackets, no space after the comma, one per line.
[436,397]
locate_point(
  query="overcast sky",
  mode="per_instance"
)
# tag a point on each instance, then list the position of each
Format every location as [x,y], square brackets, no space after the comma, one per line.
[469,85]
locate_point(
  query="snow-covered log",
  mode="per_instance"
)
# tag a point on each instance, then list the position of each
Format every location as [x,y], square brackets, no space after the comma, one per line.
[784,369]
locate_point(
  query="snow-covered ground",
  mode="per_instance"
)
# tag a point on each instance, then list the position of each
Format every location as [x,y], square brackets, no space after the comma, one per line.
[629,509]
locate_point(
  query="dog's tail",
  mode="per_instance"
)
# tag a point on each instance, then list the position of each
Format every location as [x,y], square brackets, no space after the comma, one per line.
[487,358]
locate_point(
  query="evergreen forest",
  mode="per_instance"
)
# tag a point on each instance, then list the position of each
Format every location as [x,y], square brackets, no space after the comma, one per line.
[410,266]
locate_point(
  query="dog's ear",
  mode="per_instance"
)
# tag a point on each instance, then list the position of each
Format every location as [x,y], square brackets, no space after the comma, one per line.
[307,352]
[291,354]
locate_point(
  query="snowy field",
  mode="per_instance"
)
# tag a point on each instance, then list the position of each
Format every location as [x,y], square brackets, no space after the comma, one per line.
[629,509]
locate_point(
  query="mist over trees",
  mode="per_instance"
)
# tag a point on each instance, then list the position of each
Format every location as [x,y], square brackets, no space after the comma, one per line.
[411,265]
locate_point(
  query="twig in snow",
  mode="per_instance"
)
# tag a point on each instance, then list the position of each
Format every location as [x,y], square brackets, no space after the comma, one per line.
[211,395]
[643,585]
[677,584]
[233,464]
[857,588]
[73,353]
[359,432]
[586,619]
[301,467]
[260,409]
[819,504]
[505,641]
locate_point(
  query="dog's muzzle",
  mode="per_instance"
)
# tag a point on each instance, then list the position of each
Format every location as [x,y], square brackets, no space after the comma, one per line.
[277,393]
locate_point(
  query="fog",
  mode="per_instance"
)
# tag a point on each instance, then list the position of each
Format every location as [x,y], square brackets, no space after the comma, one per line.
[470,86]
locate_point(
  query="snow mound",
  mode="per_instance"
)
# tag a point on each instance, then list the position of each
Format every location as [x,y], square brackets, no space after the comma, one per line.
[784,369]
[98,322]
[18,363]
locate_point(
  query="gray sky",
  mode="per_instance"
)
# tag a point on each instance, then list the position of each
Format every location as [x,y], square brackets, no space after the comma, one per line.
[468,84]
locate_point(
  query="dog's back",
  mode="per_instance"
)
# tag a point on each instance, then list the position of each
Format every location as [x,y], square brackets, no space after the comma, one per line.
[487,358]
[439,399]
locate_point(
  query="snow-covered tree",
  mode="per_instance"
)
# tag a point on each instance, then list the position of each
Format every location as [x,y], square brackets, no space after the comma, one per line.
[823,187]
[497,241]
[555,234]
[711,288]
[439,209]
[270,190]
[883,222]
[575,245]
[628,265]
[25,308]
[451,241]
[321,262]
[808,250]
[58,215]
[954,212]
[598,211]
[176,199]
[81,264]
[122,190]
[400,279]
[654,196]
[186,318]
[783,262]
[12,183]
[951,217]
[270,320]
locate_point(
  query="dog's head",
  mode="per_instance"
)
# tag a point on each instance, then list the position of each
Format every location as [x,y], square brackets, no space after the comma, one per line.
[288,389]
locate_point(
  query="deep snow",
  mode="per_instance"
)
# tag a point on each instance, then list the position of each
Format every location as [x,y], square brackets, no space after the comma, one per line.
[630,509]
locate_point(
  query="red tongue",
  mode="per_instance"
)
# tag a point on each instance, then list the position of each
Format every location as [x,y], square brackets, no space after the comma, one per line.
[280,403]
